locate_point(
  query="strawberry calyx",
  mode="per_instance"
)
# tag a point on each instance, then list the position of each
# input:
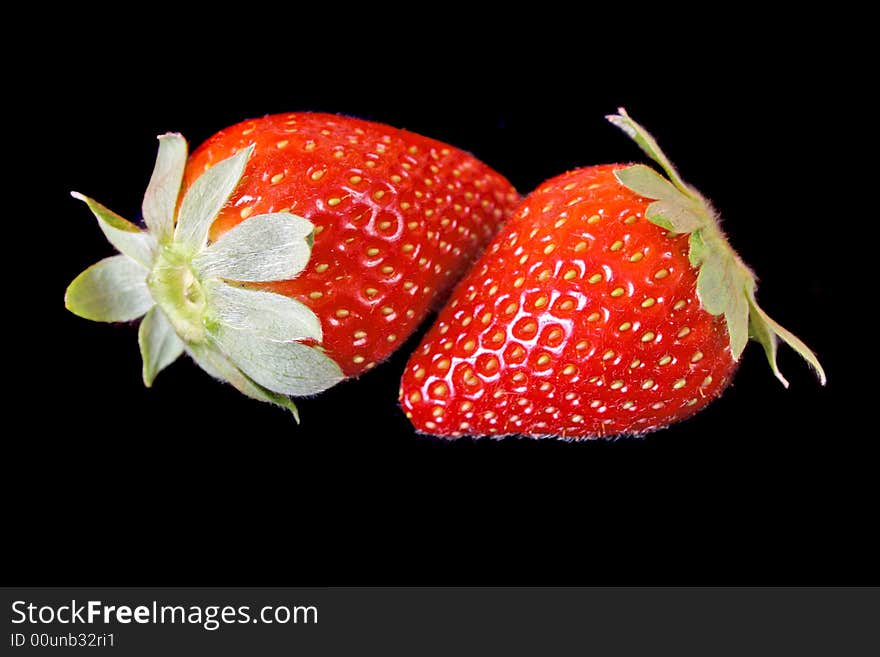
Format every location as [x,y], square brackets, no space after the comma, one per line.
[725,284]
[194,296]
[179,294]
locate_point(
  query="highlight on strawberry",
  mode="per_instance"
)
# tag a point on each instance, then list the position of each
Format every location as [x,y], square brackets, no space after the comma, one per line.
[291,251]
[610,304]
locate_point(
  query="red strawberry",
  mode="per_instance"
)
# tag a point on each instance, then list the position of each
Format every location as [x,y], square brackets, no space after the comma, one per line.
[609,304]
[293,250]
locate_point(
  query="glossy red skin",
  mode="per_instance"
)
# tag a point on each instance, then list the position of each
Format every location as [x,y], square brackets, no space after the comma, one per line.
[522,349]
[426,208]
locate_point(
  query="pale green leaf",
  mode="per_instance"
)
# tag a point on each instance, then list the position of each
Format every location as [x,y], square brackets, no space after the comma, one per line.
[761,333]
[737,317]
[766,330]
[112,290]
[644,181]
[649,145]
[674,216]
[716,283]
[160,199]
[268,315]
[268,247]
[655,217]
[218,366]
[697,251]
[207,196]
[160,345]
[722,286]
[289,368]
[127,238]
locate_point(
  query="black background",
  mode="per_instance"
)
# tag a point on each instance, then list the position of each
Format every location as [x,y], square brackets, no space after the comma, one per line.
[188,483]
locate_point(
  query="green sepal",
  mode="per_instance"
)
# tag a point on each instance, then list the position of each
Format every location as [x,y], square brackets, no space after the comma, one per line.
[675,217]
[220,367]
[736,314]
[160,345]
[204,200]
[266,314]
[649,145]
[112,290]
[767,331]
[128,239]
[267,247]
[725,285]
[697,252]
[288,368]
[160,199]
[644,181]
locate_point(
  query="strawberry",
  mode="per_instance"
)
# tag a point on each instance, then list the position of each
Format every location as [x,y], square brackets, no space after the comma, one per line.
[292,251]
[610,303]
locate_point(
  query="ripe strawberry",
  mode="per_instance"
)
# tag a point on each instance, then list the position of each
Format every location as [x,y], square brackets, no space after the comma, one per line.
[292,251]
[609,304]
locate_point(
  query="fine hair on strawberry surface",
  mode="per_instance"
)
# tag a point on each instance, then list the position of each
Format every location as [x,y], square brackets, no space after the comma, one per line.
[610,304]
[292,251]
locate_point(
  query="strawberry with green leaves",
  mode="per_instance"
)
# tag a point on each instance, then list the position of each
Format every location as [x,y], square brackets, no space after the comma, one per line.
[611,303]
[291,251]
